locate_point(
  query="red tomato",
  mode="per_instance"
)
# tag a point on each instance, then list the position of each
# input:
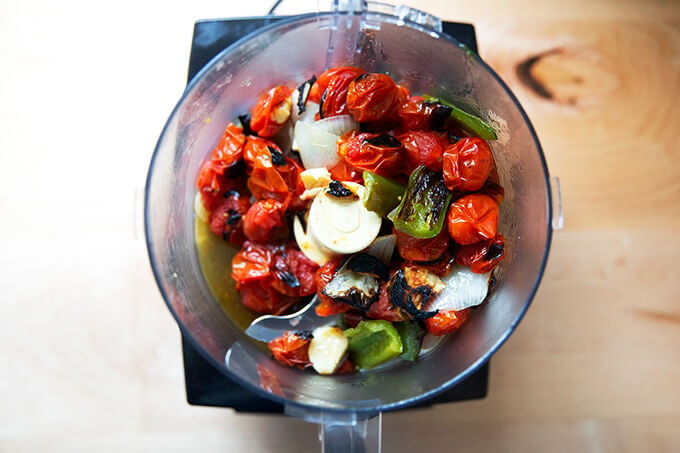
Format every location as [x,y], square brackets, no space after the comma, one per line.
[379,153]
[322,82]
[473,218]
[342,171]
[212,185]
[252,264]
[257,148]
[441,266]
[291,349]
[423,148]
[271,111]
[372,97]
[294,273]
[446,321]
[383,308]
[261,297]
[417,114]
[467,164]
[277,177]
[265,221]
[482,257]
[226,220]
[333,101]
[327,306]
[229,150]
[413,249]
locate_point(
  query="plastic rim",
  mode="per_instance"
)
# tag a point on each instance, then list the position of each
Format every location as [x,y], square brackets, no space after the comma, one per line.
[356,409]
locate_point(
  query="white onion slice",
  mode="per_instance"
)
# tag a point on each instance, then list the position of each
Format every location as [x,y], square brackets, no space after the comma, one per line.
[337,125]
[309,115]
[464,289]
[318,141]
[383,248]
[317,147]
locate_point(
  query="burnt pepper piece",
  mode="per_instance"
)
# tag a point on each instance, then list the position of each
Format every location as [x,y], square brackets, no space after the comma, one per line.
[422,210]
[471,123]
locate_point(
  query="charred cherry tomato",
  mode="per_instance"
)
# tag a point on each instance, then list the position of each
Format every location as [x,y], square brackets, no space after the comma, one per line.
[423,148]
[372,97]
[413,249]
[334,85]
[257,148]
[291,349]
[467,164]
[446,321]
[228,153]
[383,308]
[212,185]
[277,177]
[378,153]
[441,266]
[342,171]
[324,79]
[473,218]
[226,220]
[327,305]
[252,264]
[482,257]
[417,114]
[271,111]
[263,298]
[265,221]
[293,273]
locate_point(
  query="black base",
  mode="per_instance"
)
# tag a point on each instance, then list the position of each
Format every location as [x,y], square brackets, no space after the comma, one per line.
[207,386]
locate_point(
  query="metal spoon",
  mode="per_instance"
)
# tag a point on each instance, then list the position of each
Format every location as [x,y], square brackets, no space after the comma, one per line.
[267,327]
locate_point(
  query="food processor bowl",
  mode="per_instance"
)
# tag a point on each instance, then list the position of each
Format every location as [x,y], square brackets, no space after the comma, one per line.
[409,46]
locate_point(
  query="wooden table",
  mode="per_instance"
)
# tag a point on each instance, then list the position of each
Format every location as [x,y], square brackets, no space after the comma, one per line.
[91,355]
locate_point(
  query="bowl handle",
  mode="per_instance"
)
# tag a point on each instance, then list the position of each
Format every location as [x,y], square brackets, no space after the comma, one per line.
[338,434]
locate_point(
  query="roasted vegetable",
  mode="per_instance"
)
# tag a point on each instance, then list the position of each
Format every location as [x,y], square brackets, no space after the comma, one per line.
[382,195]
[471,123]
[357,290]
[327,349]
[372,343]
[422,210]
[411,335]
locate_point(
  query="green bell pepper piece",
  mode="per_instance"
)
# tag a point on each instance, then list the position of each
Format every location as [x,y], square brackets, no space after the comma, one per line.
[372,343]
[382,195]
[411,338]
[422,210]
[471,123]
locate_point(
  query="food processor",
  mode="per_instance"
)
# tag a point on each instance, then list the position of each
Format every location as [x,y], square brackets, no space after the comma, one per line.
[410,46]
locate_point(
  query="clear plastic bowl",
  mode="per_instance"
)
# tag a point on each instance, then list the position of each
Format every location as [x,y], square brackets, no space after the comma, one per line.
[407,45]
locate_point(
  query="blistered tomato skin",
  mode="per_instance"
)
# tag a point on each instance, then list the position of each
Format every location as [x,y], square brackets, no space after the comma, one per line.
[413,249]
[226,218]
[291,349]
[293,273]
[271,111]
[446,322]
[372,97]
[378,153]
[228,152]
[253,263]
[467,164]
[335,83]
[265,221]
[484,256]
[423,148]
[473,218]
